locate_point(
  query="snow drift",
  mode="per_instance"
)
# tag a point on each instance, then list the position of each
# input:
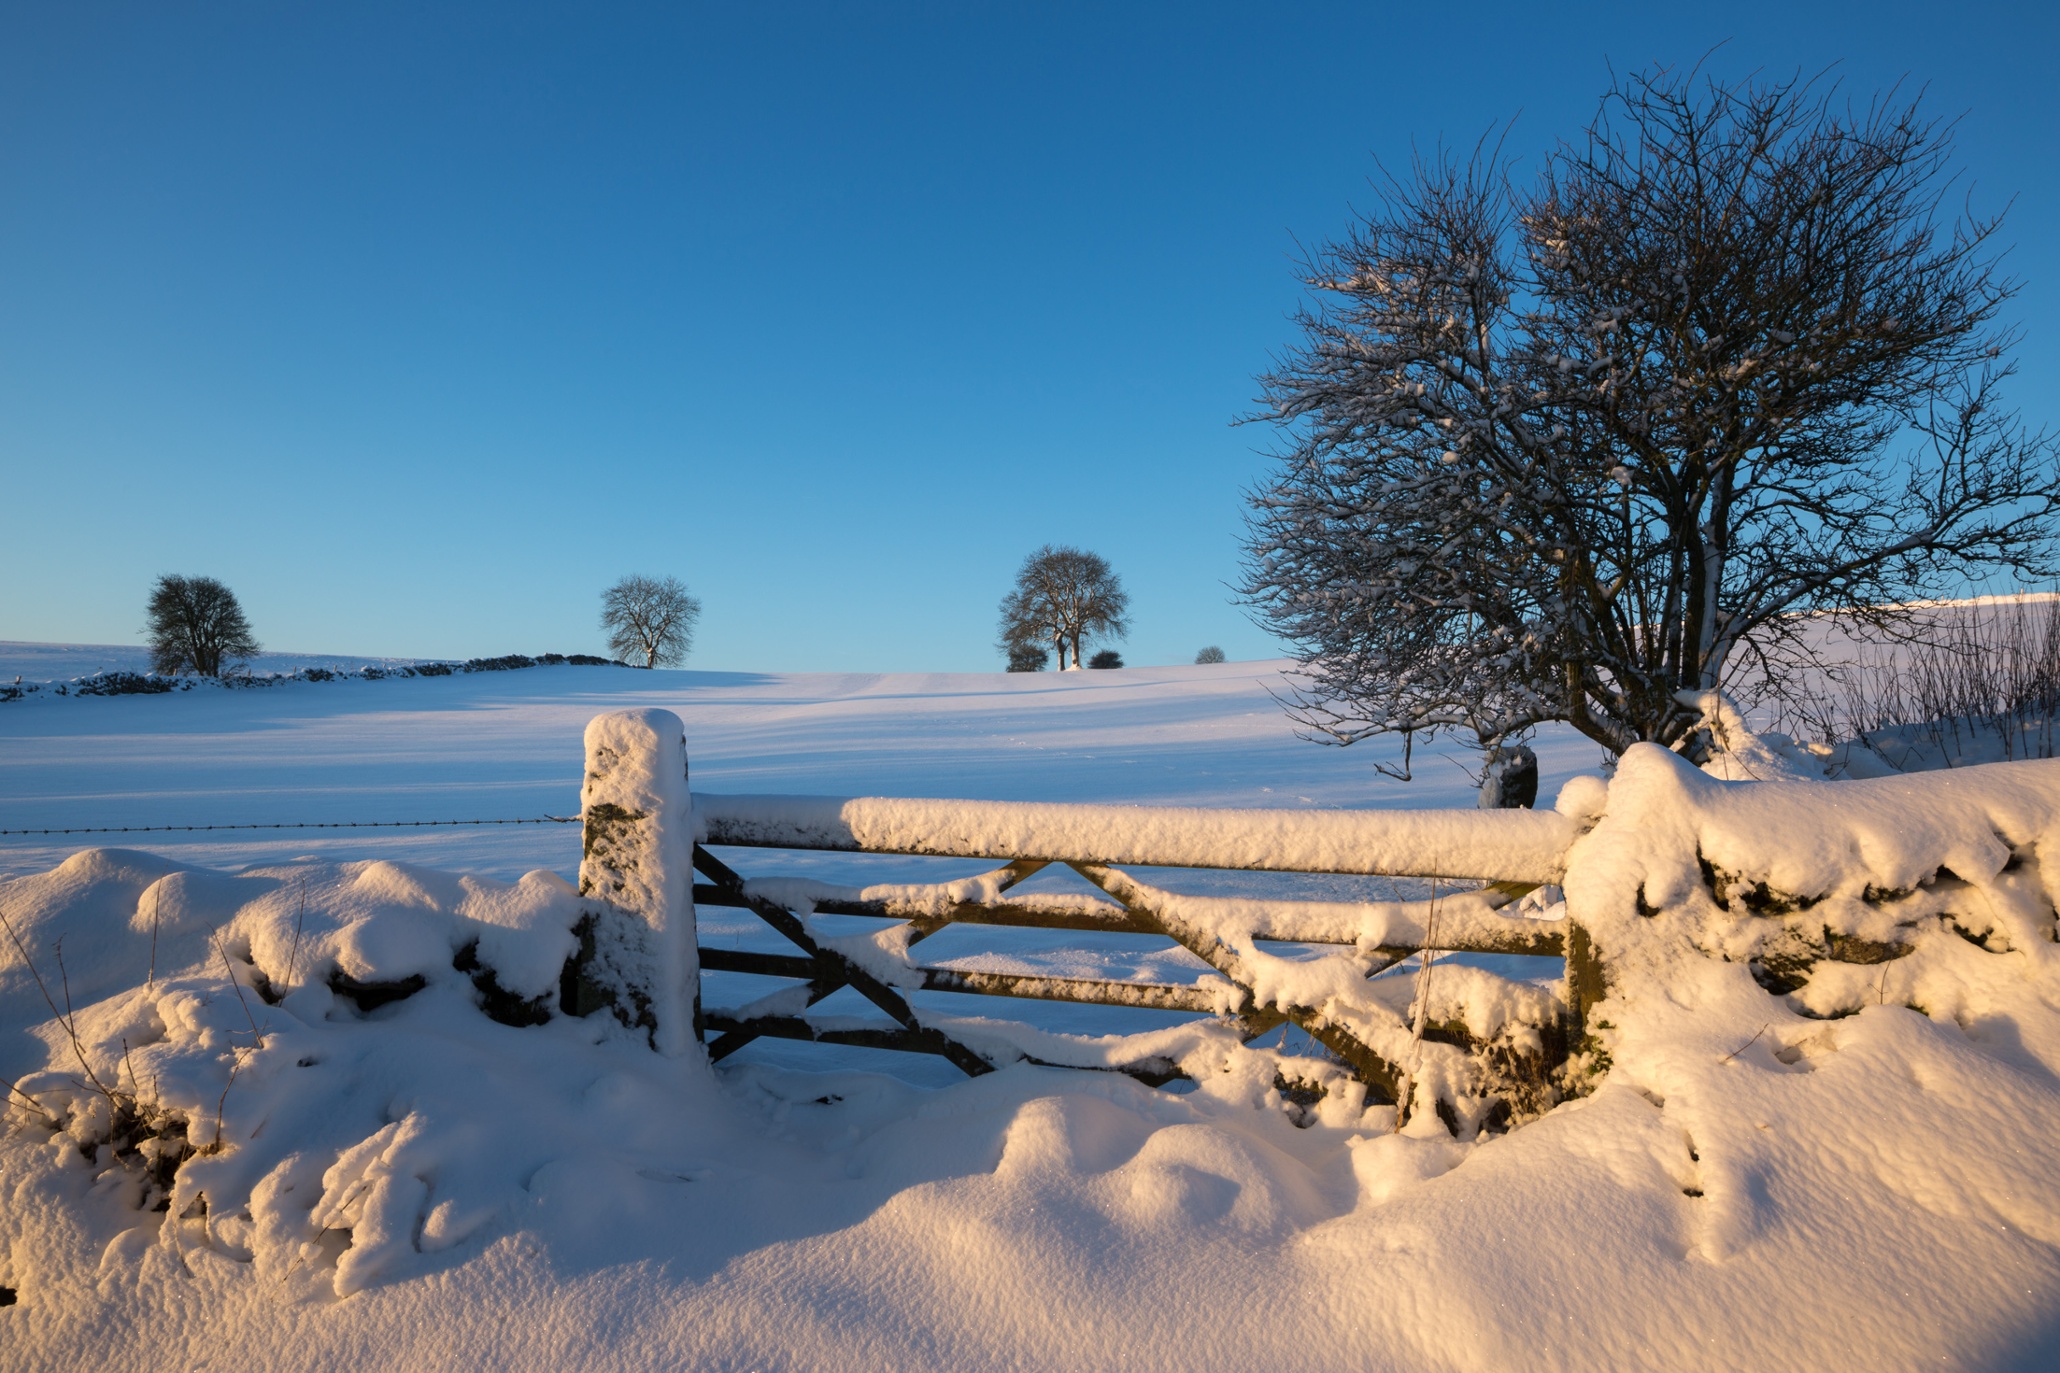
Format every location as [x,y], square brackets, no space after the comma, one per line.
[1818,1125]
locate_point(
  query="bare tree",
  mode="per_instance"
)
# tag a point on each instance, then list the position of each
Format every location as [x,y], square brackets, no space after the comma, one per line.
[1211,654]
[650,618]
[1063,596]
[196,624]
[1563,451]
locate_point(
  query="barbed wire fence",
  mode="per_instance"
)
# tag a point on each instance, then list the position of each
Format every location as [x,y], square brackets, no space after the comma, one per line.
[291,825]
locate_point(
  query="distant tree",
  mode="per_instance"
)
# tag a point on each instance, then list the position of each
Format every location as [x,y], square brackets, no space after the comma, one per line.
[196,624]
[1211,654]
[649,618]
[1578,450]
[1028,657]
[1108,657]
[1062,596]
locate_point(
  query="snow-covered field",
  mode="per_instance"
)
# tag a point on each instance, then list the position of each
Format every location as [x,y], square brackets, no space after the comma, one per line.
[507,745]
[1824,1180]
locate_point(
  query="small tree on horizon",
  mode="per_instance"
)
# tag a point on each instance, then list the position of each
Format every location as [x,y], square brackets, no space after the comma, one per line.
[651,618]
[1211,654]
[196,623]
[1063,596]
[1028,657]
[1107,658]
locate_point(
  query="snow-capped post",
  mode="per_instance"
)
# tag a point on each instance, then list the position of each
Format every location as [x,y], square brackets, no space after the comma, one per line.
[637,949]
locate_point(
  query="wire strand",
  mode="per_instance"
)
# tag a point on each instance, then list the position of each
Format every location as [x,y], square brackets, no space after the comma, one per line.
[296,825]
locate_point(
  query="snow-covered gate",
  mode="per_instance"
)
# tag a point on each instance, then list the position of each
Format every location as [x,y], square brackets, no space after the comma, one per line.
[1483,1044]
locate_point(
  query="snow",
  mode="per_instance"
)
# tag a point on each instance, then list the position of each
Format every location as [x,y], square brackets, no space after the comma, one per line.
[507,744]
[1850,1167]
[1523,846]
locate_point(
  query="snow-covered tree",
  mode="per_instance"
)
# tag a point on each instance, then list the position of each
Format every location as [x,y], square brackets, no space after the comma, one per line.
[1563,450]
[650,618]
[196,625]
[1062,597]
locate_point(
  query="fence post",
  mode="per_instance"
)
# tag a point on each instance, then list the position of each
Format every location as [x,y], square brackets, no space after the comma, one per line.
[638,954]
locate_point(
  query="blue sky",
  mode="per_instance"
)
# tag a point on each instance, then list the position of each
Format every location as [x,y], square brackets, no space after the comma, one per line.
[420,323]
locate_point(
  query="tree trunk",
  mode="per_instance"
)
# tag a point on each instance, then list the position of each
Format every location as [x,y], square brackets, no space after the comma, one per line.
[1510,779]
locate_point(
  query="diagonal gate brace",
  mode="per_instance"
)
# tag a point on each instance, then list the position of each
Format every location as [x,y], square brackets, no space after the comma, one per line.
[831,971]
[1382,1078]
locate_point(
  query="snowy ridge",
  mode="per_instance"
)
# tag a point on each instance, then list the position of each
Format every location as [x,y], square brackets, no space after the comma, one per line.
[123,682]
[52,663]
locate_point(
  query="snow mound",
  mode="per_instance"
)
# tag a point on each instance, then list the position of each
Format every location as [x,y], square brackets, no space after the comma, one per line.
[1819,1126]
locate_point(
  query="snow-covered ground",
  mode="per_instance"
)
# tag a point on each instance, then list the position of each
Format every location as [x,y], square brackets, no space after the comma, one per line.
[507,745]
[1826,1179]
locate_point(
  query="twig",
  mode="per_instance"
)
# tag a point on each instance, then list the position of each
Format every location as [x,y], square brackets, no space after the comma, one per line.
[155,901]
[39,1107]
[320,1235]
[63,1017]
[226,968]
[135,1083]
[221,1101]
[299,919]
[30,964]
[1401,774]
[71,1024]
[1747,1045]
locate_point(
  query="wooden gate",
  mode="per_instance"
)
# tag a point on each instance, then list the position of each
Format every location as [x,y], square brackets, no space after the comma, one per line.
[1492,1049]
[1490,860]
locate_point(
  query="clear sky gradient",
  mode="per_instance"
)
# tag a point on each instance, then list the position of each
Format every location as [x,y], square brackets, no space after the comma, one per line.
[420,323]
